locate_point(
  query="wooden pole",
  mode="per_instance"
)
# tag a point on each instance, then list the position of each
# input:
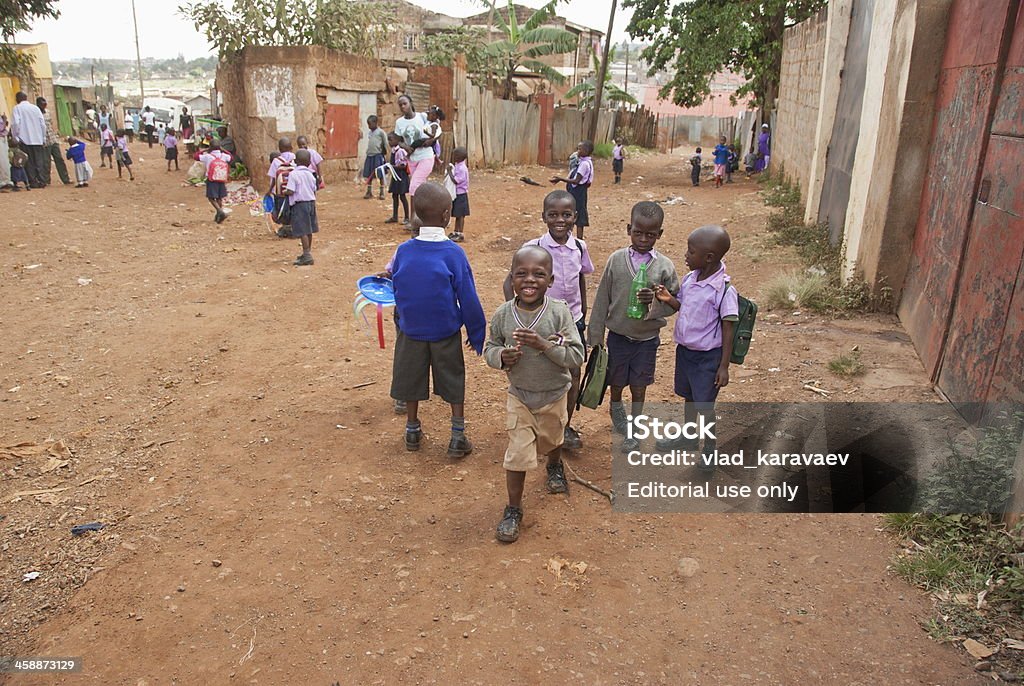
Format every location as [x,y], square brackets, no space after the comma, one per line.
[138,57]
[601,73]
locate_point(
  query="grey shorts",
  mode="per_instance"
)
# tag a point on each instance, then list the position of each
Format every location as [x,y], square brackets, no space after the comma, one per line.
[416,361]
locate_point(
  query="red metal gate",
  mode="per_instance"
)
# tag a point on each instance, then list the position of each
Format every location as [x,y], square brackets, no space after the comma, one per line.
[341,122]
[963,301]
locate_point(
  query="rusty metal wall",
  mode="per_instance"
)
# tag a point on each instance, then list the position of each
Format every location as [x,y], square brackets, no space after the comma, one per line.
[963,302]
[984,353]
[960,132]
[1008,133]
[343,127]
[842,148]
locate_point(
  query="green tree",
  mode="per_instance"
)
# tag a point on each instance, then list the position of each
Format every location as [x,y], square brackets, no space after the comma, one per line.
[441,48]
[696,40]
[358,28]
[18,15]
[520,46]
[586,90]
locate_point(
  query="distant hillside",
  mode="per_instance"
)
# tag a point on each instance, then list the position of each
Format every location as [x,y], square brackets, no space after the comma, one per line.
[87,69]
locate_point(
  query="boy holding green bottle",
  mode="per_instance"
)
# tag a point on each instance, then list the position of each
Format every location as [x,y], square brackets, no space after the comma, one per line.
[626,306]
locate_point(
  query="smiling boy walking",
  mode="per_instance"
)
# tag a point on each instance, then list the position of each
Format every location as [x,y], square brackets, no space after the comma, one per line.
[571,263]
[534,340]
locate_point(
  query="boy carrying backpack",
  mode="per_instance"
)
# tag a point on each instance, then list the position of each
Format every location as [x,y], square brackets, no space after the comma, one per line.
[218,168]
[282,164]
[705,332]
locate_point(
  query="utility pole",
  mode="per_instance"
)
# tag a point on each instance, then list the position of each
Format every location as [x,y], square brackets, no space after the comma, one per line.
[138,57]
[626,86]
[601,73]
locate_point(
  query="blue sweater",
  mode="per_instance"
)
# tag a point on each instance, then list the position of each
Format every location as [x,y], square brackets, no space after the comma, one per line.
[721,154]
[76,153]
[435,294]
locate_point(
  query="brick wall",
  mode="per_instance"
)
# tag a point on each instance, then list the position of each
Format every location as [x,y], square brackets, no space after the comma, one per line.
[803,53]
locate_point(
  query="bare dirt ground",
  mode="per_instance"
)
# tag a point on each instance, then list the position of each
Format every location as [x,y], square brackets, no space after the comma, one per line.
[265,524]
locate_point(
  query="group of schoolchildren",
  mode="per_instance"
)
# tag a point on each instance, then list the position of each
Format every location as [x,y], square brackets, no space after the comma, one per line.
[726,161]
[295,177]
[537,336]
[114,150]
[294,181]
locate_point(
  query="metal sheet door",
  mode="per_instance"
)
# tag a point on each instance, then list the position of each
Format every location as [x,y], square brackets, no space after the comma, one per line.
[961,126]
[842,147]
[984,355]
[341,122]
[989,284]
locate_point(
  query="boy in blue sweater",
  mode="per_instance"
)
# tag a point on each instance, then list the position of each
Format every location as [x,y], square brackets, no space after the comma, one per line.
[435,296]
[76,153]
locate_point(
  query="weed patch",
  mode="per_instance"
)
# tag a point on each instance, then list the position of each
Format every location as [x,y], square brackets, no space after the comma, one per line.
[973,566]
[847,364]
[811,242]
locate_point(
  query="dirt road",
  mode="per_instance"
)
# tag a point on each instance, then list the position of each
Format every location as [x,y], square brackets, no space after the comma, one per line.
[230,424]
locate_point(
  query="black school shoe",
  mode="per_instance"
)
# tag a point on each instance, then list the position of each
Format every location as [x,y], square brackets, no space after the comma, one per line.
[556,478]
[412,439]
[618,420]
[508,527]
[571,439]
[459,446]
[303,261]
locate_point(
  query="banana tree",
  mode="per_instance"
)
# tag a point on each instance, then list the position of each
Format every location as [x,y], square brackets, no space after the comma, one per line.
[520,46]
[585,90]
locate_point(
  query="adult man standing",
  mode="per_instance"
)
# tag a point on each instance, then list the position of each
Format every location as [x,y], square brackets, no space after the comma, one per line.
[52,147]
[149,120]
[29,130]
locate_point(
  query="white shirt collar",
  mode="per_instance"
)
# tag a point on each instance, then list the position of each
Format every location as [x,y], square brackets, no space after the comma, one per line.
[432,234]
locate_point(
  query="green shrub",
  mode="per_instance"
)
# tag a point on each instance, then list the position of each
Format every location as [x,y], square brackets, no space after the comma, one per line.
[979,479]
[603,150]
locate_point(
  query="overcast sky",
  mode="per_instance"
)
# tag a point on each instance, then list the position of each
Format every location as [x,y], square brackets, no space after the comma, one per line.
[104,29]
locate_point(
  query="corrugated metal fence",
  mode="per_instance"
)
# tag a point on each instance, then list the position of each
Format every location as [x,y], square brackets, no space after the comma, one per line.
[497,132]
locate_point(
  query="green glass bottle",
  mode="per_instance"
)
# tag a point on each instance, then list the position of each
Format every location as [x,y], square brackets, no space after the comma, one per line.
[636,309]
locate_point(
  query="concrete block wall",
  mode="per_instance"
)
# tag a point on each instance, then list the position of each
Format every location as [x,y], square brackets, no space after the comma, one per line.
[270,92]
[907,39]
[894,139]
[793,141]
